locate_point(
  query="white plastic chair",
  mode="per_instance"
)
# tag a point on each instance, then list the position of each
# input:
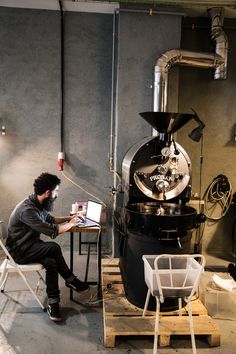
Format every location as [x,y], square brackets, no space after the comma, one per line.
[175,276]
[10,266]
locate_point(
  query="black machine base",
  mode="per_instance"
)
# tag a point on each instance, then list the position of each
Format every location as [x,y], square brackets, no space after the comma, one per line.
[132,247]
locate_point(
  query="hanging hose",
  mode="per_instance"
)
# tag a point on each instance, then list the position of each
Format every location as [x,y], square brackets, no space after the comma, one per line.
[218,198]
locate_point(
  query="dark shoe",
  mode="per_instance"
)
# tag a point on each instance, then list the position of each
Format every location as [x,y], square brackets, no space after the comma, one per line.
[77,285]
[54,312]
[232,270]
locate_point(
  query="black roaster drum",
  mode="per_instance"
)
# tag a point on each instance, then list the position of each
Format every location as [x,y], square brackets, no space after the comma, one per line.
[152,229]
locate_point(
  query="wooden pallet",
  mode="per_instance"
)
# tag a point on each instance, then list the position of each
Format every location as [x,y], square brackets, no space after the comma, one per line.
[121,318]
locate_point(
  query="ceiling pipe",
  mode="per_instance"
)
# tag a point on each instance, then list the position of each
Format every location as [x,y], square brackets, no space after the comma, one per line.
[217,61]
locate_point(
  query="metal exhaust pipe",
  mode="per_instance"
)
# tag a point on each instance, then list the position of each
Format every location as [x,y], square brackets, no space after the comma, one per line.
[217,60]
[222,46]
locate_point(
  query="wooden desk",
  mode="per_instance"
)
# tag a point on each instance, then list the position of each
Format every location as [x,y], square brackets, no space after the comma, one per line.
[80,230]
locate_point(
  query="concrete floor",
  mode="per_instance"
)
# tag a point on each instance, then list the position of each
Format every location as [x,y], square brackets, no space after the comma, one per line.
[25,328]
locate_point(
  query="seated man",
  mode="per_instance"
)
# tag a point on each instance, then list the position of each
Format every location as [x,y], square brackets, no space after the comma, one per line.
[28,220]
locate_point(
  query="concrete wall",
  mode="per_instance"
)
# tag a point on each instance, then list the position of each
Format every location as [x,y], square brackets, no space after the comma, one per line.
[215,102]
[142,40]
[30,101]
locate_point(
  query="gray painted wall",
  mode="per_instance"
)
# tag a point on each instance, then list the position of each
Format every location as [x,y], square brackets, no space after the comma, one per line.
[142,39]
[30,98]
[30,103]
[215,102]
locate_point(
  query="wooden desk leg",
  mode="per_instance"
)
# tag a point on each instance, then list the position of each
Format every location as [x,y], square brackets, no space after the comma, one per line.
[71,259]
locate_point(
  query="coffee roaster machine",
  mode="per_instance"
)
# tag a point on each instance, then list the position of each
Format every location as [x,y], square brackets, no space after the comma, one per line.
[155,218]
[156,171]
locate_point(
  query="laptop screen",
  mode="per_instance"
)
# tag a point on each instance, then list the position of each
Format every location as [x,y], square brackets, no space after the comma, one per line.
[94,211]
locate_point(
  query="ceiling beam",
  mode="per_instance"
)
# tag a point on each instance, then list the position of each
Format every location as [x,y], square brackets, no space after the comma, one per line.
[196,8]
[68,5]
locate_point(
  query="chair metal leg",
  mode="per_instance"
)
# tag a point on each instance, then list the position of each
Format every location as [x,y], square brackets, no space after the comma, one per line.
[30,288]
[38,283]
[146,302]
[156,326]
[180,306]
[3,281]
[4,274]
[41,278]
[191,328]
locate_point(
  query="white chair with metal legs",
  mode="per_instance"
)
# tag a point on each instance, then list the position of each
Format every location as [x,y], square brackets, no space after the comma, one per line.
[8,266]
[172,276]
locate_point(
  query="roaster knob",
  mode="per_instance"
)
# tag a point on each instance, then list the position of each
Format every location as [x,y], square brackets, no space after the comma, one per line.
[162,186]
[161,169]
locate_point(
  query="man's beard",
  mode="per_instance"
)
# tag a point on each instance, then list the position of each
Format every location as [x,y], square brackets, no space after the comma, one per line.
[48,203]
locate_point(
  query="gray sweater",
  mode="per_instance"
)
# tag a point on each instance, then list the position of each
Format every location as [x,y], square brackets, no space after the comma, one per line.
[27,221]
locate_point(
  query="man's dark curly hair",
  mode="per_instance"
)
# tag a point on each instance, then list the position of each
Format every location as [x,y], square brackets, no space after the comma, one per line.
[45,182]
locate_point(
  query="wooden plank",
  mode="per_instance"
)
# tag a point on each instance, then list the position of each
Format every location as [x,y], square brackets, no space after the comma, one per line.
[109,341]
[123,318]
[110,261]
[90,229]
[116,304]
[179,325]
[214,340]
[111,270]
[111,279]
[120,306]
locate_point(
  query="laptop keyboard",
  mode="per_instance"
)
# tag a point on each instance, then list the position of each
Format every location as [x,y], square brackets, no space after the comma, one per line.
[86,223]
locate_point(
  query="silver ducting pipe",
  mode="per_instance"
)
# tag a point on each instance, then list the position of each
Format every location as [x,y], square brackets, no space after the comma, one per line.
[222,47]
[217,61]
[181,57]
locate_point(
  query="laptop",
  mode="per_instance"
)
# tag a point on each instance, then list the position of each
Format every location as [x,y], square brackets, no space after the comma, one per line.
[93,215]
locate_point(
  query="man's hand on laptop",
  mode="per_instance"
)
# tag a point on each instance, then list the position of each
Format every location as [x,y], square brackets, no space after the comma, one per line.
[79,214]
[76,219]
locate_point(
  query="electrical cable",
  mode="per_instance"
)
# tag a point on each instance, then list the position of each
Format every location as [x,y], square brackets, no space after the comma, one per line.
[61,158]
[217,198]
[201,228]
[62,78]
[116,173]
[92,301]
[106,289]
[77,185]
[200,174]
